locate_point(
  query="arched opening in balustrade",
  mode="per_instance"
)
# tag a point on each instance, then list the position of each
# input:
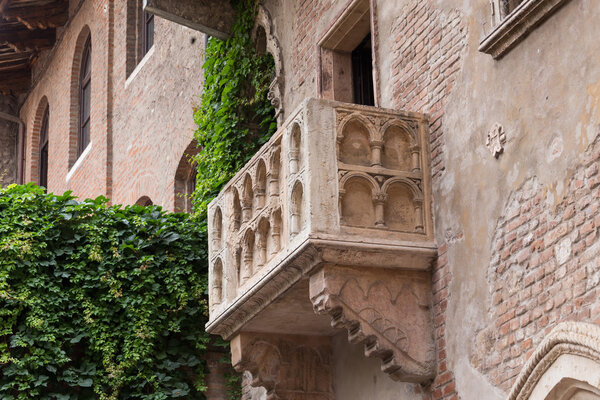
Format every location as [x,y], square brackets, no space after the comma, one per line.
[217,231]
[399,208]
[261,185]
[236,208]
[355,147]
[357,207]
[295,148]
[274,171]
[216,294]
[247,267]
[403,207]
[247,198]
[397,143]
[276,226]
[297,209]
[262,242]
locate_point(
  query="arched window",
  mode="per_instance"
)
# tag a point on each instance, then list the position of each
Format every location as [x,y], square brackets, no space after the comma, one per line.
[185,179]
[85,87]
[144,201]
[43,166]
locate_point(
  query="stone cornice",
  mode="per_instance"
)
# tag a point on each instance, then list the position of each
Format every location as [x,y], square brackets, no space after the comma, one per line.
[517,25]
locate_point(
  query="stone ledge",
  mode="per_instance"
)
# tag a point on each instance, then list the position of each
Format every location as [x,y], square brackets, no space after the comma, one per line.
[517,25]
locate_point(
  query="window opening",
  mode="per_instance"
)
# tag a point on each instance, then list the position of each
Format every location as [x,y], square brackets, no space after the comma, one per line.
[507,6]
[43,167]
[362,73]
[147,32]
[85,97]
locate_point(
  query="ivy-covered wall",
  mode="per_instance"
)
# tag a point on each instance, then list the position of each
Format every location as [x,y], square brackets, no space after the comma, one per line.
[99,302]
[235,117]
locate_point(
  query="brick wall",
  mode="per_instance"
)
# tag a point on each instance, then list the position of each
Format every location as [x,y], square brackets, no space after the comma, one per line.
[544,269]
[430,45]
[56,84]
[140,127]
[304,61]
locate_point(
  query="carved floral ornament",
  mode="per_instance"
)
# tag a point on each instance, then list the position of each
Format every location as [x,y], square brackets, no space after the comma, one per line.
[565,366]
[496,137]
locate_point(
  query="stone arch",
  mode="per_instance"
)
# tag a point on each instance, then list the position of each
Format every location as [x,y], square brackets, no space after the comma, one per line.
[354,141]
[565,366]
[297,208]
[403,205]
[263,34]
[185,179]
[43,105]
[217,229]
[262,242]
[247,198]
[260,184]
[82,38]
[247,268]
[295,146]
[216,287]
[357,193]
[398,146]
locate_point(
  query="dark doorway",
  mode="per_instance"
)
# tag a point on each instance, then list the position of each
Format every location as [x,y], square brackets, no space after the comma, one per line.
[362,73]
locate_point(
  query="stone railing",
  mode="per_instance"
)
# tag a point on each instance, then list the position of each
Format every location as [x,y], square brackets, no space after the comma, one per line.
[338,185]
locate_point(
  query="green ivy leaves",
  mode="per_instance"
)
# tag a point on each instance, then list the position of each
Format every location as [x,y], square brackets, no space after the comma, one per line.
[97,301]
[235,117]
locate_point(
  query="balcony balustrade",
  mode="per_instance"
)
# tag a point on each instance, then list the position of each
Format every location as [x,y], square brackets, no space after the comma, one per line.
[331,217]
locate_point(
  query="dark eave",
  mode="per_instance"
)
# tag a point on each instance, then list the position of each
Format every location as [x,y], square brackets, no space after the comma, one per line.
[26,28]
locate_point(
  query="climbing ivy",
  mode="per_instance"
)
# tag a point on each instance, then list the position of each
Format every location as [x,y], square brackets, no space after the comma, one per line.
[235,117]
[98,301]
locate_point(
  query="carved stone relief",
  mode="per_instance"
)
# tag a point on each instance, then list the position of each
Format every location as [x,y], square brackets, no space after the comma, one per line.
[391,153]
[289,367]
[496,137]
[385,310]
[264,26]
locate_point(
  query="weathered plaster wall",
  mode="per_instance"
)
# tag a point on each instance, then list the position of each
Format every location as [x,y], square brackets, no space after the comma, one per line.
[357,377]
[545,93]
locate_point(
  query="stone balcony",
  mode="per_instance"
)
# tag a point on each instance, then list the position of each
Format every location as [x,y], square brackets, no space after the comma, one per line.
[329,226]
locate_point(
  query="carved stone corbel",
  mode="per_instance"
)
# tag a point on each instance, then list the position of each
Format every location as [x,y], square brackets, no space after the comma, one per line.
[287,366]
[385,310]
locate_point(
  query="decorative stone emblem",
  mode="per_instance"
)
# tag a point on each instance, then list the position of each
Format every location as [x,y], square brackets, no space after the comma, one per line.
[496,138]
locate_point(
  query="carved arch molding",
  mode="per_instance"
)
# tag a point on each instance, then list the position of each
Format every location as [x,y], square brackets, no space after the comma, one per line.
[565,366]
[276,88]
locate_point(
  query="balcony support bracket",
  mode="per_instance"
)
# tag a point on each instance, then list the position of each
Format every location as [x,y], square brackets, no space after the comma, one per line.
[386,310]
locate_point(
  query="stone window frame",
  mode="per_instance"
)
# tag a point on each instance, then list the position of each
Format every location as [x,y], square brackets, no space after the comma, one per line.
[327,44]
[509,30]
